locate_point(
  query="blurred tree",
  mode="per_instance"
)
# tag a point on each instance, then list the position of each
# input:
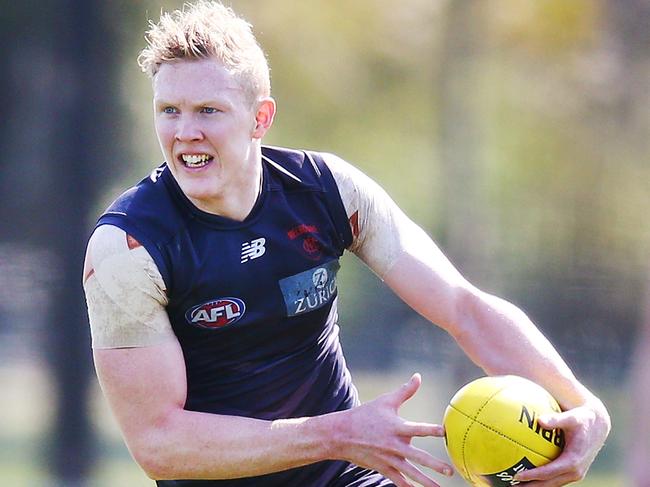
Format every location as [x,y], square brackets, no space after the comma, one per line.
[630,36]
[465,221]
[81,50]
[58,146]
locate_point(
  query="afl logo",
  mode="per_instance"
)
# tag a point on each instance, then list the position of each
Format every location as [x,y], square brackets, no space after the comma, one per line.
[217,313]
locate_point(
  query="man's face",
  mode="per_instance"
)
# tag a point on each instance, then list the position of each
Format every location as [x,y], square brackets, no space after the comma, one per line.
[208,131]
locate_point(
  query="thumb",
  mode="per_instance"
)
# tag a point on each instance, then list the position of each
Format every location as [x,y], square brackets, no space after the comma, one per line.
[565,419]
[406,391]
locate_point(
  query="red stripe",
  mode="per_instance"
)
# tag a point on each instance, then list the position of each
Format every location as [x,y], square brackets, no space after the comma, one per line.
[132,243]
[354,223]
[88,274]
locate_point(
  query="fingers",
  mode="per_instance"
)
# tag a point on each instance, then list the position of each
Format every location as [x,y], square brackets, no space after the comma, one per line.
[421,457]
[566,468]
[412,428]
[549,483]
[414,473]
[570,466]
[585,432]
[399,459]
[405,391]
[396,477]
[549,471]
[555,482]
[565,420]
[404,469]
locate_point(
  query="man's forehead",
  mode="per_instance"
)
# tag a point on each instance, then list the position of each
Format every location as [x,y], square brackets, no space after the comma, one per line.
[185,94]
[201,77]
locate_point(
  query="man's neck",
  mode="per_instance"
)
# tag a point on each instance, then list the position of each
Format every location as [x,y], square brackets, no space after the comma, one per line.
[238,202]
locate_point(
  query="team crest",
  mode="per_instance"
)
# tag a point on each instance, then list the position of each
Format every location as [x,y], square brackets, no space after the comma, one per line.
[217,313]
[307,237]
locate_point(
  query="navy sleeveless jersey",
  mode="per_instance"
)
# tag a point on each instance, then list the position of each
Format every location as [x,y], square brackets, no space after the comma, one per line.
[253,303]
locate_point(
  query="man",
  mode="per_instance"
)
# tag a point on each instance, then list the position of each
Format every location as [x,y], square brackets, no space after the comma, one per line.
[211,289]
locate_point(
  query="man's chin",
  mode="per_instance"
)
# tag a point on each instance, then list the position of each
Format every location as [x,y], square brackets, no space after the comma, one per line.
[201,196]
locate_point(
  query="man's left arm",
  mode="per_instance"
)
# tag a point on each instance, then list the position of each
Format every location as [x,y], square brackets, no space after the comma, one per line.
[494,333]
[500,338]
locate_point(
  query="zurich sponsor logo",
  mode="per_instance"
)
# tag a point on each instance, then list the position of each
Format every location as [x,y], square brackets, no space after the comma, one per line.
[319,278]
[311,289]
[216,313]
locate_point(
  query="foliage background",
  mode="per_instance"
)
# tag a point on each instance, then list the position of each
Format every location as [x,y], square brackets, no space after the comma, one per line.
[514,131]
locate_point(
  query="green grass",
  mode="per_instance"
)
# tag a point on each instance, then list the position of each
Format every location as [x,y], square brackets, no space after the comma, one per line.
[111,472]
[23,427]
[115,472]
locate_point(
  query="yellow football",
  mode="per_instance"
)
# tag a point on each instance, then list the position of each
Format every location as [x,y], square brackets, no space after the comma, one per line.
[492,430]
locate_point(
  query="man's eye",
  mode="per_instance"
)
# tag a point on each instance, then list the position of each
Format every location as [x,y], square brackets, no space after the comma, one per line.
[169,110]
[209,110]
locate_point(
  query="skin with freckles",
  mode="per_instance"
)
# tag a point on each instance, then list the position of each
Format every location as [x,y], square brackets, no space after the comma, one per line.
[385,443]
[200,109]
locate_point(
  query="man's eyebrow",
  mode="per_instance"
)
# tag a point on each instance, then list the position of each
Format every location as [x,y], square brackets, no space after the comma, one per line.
[203,102]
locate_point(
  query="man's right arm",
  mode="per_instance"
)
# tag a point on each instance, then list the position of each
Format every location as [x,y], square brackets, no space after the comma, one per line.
[141,370]
[145,388]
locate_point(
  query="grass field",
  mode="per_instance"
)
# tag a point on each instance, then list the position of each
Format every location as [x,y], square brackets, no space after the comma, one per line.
[27,412]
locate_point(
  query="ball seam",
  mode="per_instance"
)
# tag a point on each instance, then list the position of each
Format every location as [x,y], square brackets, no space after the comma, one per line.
[474,420]
[488,427]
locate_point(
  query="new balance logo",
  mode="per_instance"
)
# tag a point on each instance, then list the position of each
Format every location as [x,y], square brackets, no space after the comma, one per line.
[155,174]
[253,249]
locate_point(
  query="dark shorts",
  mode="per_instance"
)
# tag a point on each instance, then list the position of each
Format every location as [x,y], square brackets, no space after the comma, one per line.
[354,476]
[337,474]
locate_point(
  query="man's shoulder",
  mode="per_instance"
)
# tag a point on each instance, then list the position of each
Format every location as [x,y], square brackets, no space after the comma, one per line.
[146,209]
[147,192]
[297,167]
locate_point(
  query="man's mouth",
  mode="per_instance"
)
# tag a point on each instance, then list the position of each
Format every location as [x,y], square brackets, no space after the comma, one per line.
[195,160]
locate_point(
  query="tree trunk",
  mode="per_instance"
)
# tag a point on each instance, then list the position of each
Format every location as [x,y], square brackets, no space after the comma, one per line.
[56,146]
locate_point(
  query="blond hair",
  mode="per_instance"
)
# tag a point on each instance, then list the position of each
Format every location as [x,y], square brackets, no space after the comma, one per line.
[208,29]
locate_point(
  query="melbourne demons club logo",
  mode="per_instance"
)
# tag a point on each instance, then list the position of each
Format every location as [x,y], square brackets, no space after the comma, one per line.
[306,235]
[216,313]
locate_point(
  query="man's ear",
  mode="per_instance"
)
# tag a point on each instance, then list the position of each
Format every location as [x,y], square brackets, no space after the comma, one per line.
[264,117]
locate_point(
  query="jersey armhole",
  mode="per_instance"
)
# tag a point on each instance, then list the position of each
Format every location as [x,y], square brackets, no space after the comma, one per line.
[119,220]
[332,197]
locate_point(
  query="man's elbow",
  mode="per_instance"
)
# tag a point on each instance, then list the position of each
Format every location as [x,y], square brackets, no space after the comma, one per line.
[156,461]
[467,302]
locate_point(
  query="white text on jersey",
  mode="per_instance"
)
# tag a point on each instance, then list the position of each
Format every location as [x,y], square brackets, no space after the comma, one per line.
[253,249]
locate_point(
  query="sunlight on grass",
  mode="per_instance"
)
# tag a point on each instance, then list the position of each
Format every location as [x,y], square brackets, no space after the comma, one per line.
[24,427]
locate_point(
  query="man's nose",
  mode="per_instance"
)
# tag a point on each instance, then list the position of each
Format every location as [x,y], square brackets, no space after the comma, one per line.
[188,129]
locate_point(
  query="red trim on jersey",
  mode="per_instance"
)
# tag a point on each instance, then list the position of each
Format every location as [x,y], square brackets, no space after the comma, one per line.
[354,223]
[88,274]
[88,269]
[132,243]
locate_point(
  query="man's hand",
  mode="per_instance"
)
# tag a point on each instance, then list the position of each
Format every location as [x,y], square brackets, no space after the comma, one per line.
[374,436]
[586,427]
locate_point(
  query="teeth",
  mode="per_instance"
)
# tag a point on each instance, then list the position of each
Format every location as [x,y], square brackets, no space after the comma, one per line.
[195,160]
